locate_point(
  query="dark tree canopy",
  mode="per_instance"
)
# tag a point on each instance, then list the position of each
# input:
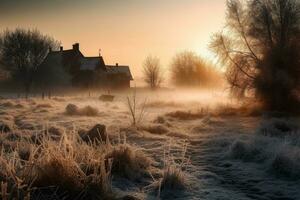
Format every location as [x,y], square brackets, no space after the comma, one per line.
[260,46]
[23,51]
[190,70]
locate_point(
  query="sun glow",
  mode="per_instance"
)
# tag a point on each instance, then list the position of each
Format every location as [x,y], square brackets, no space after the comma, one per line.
[127,32]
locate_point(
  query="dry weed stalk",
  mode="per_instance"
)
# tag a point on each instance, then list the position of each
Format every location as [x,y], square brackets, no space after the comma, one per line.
[137,112]
[173,175]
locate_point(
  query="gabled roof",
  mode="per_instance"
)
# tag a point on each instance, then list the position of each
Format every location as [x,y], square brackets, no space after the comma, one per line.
[66,53]
[58,57]
[119,69]
[71,56]
[91,63]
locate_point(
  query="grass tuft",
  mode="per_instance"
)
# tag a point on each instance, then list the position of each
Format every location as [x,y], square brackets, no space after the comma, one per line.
[72,109]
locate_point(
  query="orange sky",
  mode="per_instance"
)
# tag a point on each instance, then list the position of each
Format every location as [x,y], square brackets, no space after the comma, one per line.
[126,30]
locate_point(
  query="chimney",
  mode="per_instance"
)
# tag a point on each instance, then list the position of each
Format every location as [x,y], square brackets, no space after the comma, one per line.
[117,64]
[61,48]
[76,46]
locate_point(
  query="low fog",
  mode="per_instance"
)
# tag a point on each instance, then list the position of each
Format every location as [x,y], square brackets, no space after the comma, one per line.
[191,144]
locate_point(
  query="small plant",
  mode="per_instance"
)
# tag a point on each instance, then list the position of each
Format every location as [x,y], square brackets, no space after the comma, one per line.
[173,176]
[173,171]
[137,112]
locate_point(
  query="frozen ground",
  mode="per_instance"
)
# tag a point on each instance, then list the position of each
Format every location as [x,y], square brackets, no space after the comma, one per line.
[231,156]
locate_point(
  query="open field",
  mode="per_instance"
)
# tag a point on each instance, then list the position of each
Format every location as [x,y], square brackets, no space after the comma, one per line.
[185,145]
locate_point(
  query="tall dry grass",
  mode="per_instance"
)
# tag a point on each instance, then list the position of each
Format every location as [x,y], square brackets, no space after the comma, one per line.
[68,168]
[173,176]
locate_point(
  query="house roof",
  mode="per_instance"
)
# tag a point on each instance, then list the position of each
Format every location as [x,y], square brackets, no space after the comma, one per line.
[86,63]
[91,63]
[120,69]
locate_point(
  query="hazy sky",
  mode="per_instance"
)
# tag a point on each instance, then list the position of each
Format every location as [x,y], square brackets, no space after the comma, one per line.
[126,30]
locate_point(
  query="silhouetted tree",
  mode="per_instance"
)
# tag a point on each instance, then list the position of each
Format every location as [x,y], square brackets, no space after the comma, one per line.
[261,48]
[190,70]
[51,75]
[152,71]
[23,51]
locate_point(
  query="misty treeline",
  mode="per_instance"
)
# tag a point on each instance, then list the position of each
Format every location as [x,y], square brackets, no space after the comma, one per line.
[190,70]
[187,70]
[22,52]
[260,48]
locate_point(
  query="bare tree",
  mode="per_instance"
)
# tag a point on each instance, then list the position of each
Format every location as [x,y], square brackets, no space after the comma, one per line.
[190,70]
[152,70]
[23,51]
[261,48]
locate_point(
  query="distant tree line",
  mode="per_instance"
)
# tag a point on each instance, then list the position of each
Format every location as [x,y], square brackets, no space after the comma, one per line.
[190,70]
[187,70]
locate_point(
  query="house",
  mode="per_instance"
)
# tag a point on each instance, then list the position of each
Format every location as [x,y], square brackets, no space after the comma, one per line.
[88,71]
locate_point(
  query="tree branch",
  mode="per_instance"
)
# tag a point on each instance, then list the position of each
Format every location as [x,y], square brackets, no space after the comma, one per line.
[232,60]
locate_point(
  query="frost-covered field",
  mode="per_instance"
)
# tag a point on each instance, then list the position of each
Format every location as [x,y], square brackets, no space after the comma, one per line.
[193,145]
